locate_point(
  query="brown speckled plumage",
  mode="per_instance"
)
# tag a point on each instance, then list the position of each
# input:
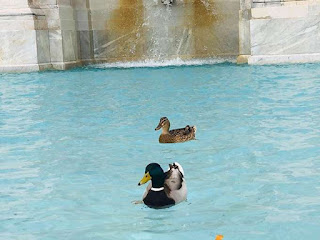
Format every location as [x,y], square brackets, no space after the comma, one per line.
[176,135]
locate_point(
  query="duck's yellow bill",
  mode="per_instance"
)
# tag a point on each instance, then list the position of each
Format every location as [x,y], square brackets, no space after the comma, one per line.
[145,179]
[219,237]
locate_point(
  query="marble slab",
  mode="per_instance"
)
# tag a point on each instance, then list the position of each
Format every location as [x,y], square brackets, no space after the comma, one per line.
[18,47]
[85,39]
[284,59]
[297,11]
[285,36]
[43,46]
[70,46]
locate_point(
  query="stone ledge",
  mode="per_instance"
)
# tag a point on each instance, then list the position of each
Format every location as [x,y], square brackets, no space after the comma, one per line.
[42,66]
[243,59]
[25,68]
[65,65]
[297,11]
[283,59]
[278,3]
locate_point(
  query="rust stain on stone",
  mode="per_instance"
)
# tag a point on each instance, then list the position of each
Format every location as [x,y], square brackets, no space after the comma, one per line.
[204,13]
[205,18]
[126,32]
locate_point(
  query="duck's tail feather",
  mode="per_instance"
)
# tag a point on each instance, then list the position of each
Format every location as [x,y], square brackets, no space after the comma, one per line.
[179,167]
[194,129]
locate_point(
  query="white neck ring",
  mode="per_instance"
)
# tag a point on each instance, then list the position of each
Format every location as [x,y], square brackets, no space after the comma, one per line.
[157,189]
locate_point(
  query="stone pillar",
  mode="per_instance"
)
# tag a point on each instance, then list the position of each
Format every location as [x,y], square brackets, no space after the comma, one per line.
[23,37]
[244,31]
[64,52]
[84,30]
[37,35]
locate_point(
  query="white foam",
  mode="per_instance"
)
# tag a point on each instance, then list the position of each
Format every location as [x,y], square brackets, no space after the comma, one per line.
[165,63]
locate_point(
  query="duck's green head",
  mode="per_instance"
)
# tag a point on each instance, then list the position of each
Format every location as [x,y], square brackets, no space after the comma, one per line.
[164,121]
[155,173]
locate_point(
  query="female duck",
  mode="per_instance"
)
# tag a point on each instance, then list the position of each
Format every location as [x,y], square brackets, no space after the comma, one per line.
[177,135]
[166,188]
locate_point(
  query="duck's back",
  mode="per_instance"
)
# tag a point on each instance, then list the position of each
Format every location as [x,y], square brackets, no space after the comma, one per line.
[184,132]
[177,185]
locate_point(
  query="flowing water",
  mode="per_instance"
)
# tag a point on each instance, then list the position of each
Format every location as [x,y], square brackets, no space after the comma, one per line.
[74,145]
[147,30]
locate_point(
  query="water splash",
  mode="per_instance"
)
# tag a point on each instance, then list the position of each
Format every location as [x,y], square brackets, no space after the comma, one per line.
[165,63]
[152,30]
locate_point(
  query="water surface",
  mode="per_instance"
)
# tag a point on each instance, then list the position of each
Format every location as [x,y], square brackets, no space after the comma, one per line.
[75,144]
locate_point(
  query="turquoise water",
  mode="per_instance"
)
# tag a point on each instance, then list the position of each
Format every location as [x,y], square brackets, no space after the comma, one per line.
[75,144]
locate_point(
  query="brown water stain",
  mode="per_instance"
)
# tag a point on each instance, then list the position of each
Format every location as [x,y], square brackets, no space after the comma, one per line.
[204,14]
[205,18]
[126,32]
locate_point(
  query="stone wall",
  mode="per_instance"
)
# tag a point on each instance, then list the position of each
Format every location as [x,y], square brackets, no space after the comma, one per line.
[133,30]
[37,35]
[42,34]
[58,34]
[23,36]
[280,32]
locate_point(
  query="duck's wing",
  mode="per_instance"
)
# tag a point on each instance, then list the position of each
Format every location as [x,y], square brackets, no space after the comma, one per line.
[187,130]
[175,184]
[179,195]
[177,132]
[180,131]
[173,180]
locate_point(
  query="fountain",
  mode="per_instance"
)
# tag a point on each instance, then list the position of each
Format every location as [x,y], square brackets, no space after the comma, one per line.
[153,31]
[44,34]
[75,32]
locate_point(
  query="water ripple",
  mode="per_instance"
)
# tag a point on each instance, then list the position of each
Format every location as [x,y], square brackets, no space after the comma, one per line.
[74,144]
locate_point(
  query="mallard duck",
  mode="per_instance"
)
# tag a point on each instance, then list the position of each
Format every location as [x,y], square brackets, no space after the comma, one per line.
[176,135]
[166,188]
